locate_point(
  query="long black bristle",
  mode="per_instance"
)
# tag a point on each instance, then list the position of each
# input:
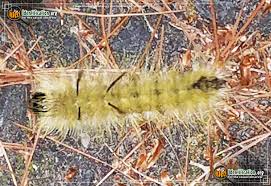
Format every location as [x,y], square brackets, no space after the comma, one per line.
[36,103]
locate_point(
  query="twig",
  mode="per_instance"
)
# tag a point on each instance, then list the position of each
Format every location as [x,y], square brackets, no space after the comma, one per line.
[235,38]
[246,147]
[15,146]
[236,24]
[253,117]
[9,165]
[29,160]
[210,148]
[133,169]
[187,29]
[75,150]
[217,58]
[39,47]
[109,53]
[239,144]
[136,4]
[221,126]
[34,45]
[187,157]
[100,43]
[10,54]
[266,135]
[168,8]
[158,56]
[141,61]
[124,159]
[13,37]
[170,144]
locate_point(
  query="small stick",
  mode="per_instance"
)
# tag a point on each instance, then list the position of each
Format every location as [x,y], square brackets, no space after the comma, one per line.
[217,55]
[8,162]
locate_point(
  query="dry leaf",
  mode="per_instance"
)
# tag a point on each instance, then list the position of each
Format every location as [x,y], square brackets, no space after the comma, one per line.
[141,160]
[186,59]
[224,36]
[145,161]
[154,155]
[165,178]
[71,173]
[245,72]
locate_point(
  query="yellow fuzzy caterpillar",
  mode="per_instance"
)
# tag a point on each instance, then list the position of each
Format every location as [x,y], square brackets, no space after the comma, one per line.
[96,102]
